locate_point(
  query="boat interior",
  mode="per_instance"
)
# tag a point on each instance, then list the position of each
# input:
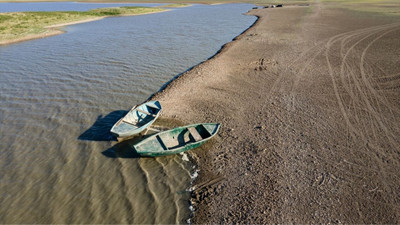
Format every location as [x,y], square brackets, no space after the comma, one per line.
[142,116]
[186,136]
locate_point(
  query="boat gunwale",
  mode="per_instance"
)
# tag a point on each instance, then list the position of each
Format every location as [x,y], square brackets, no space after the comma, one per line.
[176,150]
[131,132]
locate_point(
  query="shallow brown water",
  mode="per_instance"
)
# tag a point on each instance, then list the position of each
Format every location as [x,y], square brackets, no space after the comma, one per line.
[61,95]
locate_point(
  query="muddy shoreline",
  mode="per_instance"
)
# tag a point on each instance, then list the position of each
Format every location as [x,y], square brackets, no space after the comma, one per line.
[307,102]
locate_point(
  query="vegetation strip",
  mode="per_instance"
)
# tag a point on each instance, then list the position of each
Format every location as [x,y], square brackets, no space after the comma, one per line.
[19,26]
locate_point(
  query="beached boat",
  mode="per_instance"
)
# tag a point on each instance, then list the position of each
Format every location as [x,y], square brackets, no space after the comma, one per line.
[176,140]
[137,120]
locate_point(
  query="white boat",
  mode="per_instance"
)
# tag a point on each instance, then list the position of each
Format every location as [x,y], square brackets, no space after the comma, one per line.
[138,119]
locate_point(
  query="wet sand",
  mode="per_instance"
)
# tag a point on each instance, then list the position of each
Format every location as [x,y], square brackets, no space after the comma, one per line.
[308,101]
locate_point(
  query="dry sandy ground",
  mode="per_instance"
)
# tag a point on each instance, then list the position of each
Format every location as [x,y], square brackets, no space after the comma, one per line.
[309,104]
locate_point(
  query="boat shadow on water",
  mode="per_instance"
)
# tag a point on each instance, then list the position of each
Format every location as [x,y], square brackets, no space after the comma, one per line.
[100,130]
[123,149]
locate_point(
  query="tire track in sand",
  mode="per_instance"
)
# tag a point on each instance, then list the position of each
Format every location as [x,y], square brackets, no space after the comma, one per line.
[368,97]
[364,96]
[392,137]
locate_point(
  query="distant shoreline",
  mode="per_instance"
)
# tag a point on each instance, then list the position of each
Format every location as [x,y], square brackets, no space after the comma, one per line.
[53,30]
[132,1]
[32,37]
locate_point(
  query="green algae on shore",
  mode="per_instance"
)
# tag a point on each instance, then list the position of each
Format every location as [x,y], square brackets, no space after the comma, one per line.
[18,26]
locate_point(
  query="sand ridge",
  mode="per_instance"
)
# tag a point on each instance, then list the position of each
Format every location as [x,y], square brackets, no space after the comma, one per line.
[307,102]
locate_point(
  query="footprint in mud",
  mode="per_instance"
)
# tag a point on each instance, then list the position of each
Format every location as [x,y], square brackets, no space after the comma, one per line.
[263,64]
[221,157]
[249,36]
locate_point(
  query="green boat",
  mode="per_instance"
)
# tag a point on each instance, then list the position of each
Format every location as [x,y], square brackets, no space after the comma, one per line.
[176,140]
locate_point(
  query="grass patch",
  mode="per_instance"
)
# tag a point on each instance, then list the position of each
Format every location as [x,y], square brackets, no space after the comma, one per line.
[17,25]
[176,5]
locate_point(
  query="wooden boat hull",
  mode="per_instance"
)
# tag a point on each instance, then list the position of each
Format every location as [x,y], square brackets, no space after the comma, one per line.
[176,140]
[137,120]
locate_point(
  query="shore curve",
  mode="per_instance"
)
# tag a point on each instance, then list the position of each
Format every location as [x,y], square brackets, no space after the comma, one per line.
[299,129]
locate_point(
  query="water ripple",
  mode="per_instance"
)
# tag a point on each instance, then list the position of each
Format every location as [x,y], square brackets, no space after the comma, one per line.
[60,96]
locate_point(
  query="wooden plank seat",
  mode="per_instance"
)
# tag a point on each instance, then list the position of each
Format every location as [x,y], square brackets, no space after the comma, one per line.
[161,143]
[195,134]
[130,123]
[152,106]
[147,113]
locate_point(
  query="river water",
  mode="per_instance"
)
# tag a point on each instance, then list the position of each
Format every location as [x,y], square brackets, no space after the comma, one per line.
[60,96]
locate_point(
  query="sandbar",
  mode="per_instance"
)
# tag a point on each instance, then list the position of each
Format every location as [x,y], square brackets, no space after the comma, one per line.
[308,102]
